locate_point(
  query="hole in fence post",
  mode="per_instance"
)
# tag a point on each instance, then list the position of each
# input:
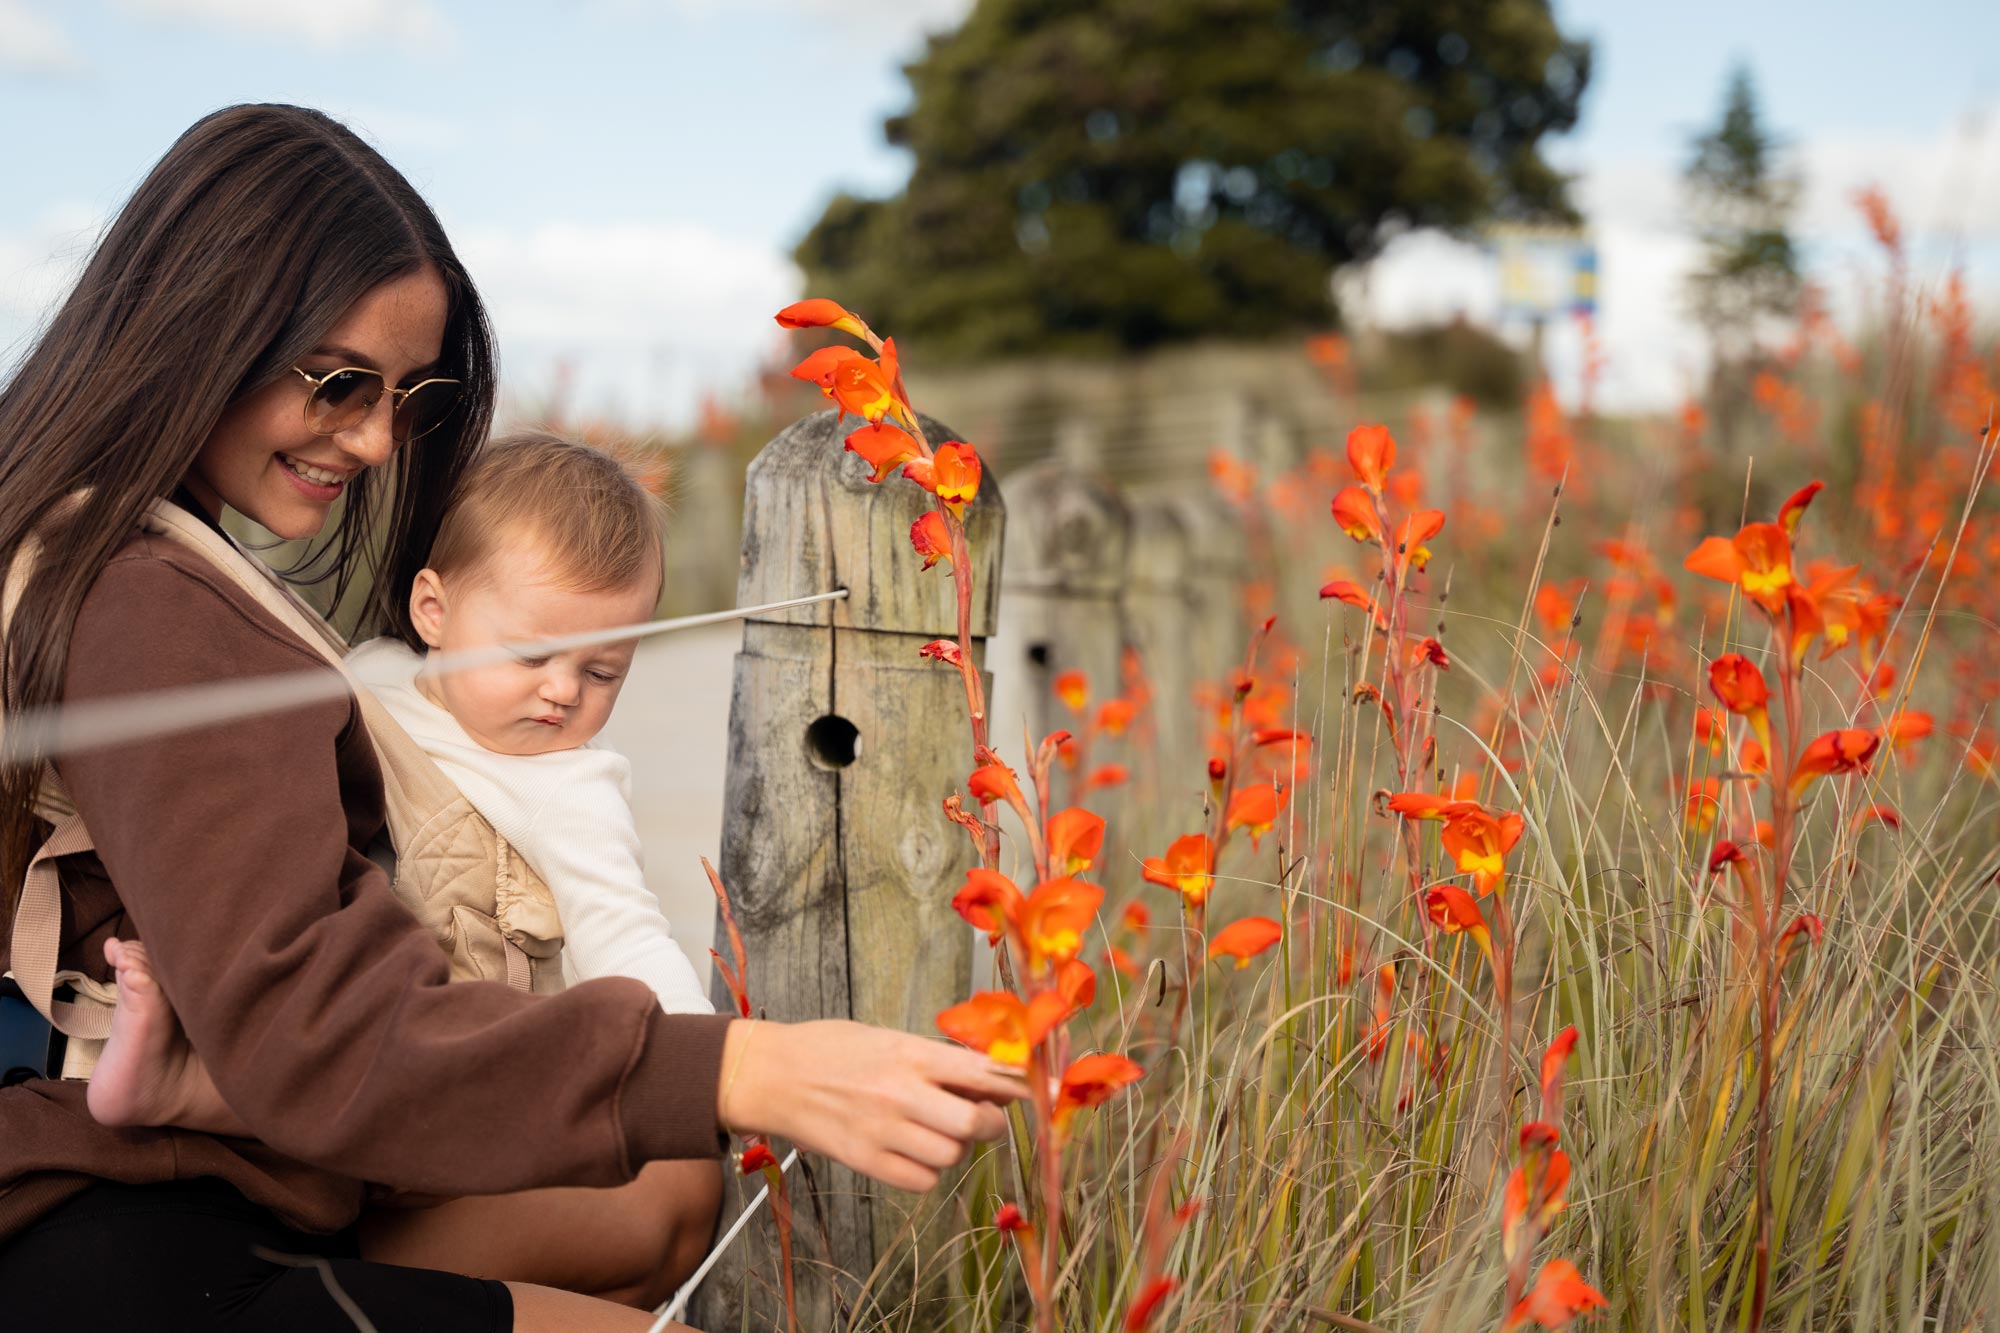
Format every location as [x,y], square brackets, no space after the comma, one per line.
[1038,655]
[832,742]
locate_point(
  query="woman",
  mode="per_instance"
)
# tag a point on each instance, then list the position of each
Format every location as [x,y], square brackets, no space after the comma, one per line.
[267,248]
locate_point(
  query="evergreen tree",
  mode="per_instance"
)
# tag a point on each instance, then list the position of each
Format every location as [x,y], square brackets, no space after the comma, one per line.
[1128,173]
[1741,199]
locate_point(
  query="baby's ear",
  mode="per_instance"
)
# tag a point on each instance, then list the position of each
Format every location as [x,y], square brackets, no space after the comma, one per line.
[427,607]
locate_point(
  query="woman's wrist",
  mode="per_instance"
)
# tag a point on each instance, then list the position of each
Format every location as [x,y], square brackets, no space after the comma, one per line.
[741,1106]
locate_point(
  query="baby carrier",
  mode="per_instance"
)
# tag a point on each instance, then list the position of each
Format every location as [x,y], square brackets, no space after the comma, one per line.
[490,911]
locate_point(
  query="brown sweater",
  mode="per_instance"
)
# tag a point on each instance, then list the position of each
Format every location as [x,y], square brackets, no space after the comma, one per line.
[322,1008]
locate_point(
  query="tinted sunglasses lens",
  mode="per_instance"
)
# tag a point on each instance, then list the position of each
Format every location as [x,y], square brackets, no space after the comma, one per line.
[427,407]
[341,400]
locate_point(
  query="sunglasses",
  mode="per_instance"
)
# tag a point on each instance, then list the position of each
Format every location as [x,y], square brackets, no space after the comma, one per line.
[342,399]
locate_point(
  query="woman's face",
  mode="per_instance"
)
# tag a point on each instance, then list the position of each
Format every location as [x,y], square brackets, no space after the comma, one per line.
[263,461]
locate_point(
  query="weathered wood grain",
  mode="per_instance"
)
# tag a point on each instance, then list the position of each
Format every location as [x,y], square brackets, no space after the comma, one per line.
[842,870]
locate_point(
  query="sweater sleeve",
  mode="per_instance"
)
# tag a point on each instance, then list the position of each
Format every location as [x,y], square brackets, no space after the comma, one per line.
[322,1008]
[583,843]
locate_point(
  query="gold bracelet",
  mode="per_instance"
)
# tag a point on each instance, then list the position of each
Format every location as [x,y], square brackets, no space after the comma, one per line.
[750,1029]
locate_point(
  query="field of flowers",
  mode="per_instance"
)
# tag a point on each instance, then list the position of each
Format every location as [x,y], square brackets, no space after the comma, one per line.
[1581,907]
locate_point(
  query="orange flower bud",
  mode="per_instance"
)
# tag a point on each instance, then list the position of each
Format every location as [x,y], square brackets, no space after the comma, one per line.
[989,901]
[1371,452]
[1794,508]
[994,782]
[819,313]
[1073,688]
[1106,775]
[1559,1295]
[1114,715]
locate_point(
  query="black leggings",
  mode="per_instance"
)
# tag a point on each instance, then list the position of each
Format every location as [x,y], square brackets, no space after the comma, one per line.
[196,1254]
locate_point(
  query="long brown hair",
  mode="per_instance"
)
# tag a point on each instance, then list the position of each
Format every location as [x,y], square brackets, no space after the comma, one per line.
[243,246]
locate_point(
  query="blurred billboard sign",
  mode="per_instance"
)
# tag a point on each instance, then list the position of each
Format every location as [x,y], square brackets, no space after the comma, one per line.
[1545,271]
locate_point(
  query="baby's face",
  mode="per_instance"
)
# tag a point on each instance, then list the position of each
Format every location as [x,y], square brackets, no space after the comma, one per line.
[529,704]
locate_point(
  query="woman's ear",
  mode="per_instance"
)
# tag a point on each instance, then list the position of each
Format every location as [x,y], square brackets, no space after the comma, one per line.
[427,607]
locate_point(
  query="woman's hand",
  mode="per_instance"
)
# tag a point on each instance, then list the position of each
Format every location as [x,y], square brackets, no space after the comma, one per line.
[902,1109]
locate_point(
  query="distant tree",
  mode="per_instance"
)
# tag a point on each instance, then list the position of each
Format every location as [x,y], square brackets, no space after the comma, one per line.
[1740,198]
[1128,173]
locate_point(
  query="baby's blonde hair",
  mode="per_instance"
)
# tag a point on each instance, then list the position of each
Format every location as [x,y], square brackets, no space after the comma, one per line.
[590,510]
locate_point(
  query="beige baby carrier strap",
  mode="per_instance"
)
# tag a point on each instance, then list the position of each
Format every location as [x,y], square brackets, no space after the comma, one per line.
[492,914]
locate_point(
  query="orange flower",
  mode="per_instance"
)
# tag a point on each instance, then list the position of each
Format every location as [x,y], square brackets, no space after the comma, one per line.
[1740,686]
[1076,836]
[1077,984]
[1114,715]
[882,447]
[1428,649]
[867,389]
[1010,1219]
[1804,929]
[1478,842]
[1845,751]
[951,474]
[1148,1302]
[1245,939]
[1254,809]
[1559,1295]
[819,313]
[1073,688]
[989,901]
[1054,918]
[1136,916]
[1001,1025]
[1424,805]
[755,1157]
[931,538]
[1752,757]
[1701,804]
[819,367]
[1090,1081]
[1553,1059]
[1185,868]
[1710,731]
[1343,590]
[1794,508]
[1106,775]
[1452,910]
[1757,559]
[1121,962]
[1356,515]
[1371,452]
[1531,1201]
[1414,531]
[1907,726]
[944,650]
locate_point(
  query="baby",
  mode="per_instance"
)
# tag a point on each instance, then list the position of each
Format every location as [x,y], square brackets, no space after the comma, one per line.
[545,539]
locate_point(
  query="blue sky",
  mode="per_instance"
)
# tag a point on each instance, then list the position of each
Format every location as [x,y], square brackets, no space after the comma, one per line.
[625,176]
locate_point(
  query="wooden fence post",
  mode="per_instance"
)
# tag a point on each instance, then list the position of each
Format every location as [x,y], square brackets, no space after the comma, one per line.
[1220,568]
[843,744]
[1066,540]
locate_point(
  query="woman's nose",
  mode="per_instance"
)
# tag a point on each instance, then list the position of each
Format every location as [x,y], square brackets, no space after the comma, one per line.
[372,442]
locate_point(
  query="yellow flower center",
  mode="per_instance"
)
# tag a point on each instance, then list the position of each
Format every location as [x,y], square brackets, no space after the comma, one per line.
[1757,581]
[1009,1051]
[1481,863]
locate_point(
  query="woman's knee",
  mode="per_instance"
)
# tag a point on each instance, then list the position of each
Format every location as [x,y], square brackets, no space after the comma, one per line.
[671,1211]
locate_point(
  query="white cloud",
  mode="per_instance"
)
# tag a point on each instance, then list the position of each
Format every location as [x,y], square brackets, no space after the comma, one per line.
[1945,186]
[32,44]
[645,316]
[416,26]
[894,24]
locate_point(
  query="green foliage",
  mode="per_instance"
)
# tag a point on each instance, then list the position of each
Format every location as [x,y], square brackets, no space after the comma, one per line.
[1094,178]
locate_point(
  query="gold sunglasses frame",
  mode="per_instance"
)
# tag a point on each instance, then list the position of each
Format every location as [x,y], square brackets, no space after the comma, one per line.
[396,398]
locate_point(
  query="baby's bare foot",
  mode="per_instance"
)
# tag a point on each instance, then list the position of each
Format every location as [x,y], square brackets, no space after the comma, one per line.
[148,1072]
